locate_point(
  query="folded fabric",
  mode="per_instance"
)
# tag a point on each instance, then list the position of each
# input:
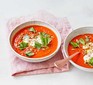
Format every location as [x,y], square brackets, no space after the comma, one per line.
[20,67]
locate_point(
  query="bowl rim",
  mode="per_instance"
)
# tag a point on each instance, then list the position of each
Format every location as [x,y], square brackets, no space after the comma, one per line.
[65,53]
[42,58]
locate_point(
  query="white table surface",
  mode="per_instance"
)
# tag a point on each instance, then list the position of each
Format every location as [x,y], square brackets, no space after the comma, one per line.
[78,12]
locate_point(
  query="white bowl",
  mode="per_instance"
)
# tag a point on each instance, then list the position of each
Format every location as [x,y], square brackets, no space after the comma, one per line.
[74,33]
[40,23]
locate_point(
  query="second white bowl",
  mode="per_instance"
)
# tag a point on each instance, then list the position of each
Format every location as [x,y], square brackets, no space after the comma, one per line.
[74,33]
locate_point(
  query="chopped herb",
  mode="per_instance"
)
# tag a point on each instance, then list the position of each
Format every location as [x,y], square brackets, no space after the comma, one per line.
[42,33]
[23,45]
[46,41]
[91,62]
[32,29]
[45,38]
[49,40]
[87,39]
[74,44]
[29,53]
[37,45]
[82,41]
[42,38]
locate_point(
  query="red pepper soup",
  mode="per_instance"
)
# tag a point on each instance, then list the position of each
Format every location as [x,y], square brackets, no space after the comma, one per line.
[83,44]
[35,41]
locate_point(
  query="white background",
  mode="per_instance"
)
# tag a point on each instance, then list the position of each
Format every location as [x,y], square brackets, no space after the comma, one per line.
[78,12]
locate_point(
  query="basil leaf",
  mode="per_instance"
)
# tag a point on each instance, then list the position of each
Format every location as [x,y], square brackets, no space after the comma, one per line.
[45,38]
[46,41]
[32,29]
[42,33]
[82,41]
[29,53]
[37,45]
[91,61]
[23,45]
[74,44]
[42,39]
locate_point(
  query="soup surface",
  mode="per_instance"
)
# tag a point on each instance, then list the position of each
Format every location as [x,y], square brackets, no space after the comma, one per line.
[83,44]
[35,41]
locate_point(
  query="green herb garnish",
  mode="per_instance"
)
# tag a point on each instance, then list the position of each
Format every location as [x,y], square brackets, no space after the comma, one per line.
[32,29]
[91,62]
[74,44]
[42,33]
[46,41]
[29,53]
[37,45]
[23,45]
[82,41]
[49,40]
[42,38]
[45,38]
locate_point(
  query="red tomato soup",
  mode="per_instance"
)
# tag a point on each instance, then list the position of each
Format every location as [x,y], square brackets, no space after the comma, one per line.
[35,41]
[83,44]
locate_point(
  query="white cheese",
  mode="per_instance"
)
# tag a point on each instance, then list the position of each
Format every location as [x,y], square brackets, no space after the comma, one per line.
[85,47]
[88,45]
[89,51]
[32,42]
[88,57]
[37,39]
[26,38]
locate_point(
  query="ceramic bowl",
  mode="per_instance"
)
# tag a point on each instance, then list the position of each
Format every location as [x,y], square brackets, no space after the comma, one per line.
[40,23]
[74,33]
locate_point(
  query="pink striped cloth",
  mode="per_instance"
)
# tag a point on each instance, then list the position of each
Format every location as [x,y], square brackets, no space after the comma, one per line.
[20,67]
